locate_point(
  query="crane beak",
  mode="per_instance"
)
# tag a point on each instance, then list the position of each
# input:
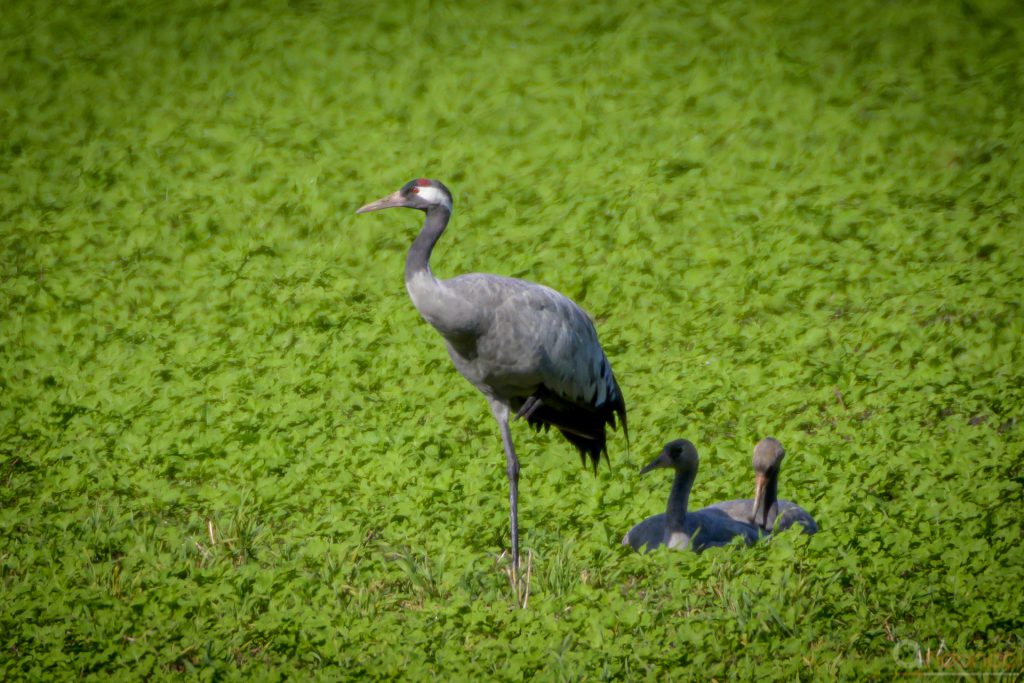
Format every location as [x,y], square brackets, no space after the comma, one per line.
[391,201]
[760,486]
[660,461]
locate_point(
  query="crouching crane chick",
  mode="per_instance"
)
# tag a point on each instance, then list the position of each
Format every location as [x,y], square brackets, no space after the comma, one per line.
[676,528]
[765,510]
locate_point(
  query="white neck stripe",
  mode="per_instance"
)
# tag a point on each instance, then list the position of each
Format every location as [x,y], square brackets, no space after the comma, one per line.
[434,196]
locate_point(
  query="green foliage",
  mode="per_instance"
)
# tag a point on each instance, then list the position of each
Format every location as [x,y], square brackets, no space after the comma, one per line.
[229,447]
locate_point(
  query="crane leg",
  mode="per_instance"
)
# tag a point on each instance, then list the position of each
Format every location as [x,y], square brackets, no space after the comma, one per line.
[501,414]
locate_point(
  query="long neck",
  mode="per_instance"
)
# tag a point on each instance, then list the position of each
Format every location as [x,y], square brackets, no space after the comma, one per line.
[675,515]
[771,494]
[418,260]
[763,512]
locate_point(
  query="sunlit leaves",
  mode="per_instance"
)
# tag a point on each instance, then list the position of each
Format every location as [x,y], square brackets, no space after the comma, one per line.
[230,447]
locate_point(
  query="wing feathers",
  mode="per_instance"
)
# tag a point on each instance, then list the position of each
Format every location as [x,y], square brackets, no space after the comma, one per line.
[537,351]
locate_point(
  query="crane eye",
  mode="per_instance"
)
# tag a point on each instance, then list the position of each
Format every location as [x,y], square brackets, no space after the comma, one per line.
[414,190]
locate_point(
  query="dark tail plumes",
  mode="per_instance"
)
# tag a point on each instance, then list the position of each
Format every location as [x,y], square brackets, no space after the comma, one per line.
[582,425]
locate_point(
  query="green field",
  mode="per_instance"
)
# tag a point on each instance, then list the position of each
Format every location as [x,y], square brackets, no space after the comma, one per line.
[230,448]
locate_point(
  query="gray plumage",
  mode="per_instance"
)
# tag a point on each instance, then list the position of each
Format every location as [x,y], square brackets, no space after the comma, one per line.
[765,510]
[677,528]
[532,352]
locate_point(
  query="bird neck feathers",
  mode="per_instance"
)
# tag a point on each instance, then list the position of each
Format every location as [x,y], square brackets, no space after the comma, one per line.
[418,260]
[678,499]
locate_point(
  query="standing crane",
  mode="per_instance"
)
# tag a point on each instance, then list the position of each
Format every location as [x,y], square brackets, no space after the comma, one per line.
[532,352]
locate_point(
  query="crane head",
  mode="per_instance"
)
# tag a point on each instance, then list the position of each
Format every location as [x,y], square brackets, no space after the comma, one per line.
[768,454]
[680,455]
[422,194]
